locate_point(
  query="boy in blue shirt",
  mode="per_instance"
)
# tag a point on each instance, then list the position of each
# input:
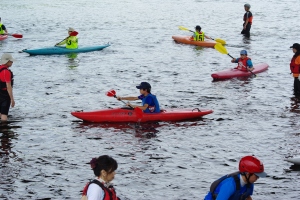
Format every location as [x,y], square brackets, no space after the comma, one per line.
[149,101]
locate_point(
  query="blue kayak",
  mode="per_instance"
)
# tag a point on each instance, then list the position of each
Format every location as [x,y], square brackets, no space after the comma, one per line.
[63,50]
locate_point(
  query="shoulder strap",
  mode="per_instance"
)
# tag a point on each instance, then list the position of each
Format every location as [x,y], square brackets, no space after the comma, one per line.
[103,188]
[4,68]
[215,184]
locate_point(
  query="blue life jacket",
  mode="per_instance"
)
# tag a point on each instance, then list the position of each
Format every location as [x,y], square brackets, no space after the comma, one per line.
[237,195]
[151,109]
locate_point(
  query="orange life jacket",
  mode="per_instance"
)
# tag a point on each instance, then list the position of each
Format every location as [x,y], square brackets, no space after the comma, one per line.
[295,69]
[242,64]
[109,193]
[249,18]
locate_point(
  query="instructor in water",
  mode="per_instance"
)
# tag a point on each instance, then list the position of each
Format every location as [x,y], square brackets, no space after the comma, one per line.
[149,101]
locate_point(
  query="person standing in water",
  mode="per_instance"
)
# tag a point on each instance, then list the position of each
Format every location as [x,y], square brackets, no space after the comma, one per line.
[6,84]
[101,188]
[295,68]
[247,21]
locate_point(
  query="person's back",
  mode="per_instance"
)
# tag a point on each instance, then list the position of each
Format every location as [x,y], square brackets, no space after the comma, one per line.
[2,28]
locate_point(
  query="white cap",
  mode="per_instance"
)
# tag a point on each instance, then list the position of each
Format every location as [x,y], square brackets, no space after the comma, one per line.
[71,29]
[5,58]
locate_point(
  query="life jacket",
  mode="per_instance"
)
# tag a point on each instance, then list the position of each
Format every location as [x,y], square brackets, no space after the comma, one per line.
[72,42]
[3,84]
[109,193]
[199,36]
[236,195]
[1,30]
[242,64]
[249,18]
[295,69]
[151,109]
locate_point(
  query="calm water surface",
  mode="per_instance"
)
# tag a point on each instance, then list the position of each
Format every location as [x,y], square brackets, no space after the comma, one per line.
[44,150]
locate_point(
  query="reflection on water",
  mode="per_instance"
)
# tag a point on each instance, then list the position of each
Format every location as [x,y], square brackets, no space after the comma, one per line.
[9,169]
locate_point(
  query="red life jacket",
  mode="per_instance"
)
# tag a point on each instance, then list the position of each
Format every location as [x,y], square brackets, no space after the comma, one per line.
[3,84]
[109,193]
[242,64]
[249,18]
[295,69]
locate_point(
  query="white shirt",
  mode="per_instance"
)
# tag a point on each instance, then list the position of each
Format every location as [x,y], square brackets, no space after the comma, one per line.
[95,192]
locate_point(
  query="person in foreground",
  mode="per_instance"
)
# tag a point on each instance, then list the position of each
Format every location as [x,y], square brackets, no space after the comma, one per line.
[6,84]
[3,29]
[149,101]
[238,185]
[295,68]
[244,62]
[101,187]
[199,35]
[71,41]
[247,21]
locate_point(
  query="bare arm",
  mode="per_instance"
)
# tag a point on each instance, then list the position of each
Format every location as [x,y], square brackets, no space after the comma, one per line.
[127,98]
[10,93]
[144,107]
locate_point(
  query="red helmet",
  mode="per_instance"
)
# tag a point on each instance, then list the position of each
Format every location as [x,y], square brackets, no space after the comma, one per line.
[252,165]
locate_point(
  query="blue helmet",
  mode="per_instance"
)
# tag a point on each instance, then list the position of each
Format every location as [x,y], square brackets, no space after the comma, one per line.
[244,52]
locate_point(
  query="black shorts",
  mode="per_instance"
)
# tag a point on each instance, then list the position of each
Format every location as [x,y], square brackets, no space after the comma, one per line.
[4,102]
[246,31]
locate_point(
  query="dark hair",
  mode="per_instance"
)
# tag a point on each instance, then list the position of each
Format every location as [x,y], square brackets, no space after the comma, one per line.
[296,54]
[148,90]
[104,162]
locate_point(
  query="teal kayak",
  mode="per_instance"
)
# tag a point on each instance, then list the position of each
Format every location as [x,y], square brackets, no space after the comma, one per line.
[63,50]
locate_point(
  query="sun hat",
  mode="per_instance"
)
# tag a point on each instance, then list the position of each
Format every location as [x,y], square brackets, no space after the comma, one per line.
[71,29]
[5,58]
[143,85]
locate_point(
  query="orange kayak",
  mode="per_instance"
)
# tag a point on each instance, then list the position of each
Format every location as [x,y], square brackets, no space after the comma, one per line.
[187,40]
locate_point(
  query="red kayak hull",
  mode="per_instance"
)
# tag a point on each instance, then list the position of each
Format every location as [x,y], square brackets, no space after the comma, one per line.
[187,40]
[128,115]
[234,73]
[3,37]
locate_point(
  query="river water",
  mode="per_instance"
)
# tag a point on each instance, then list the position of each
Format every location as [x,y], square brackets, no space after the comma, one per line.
[44,150]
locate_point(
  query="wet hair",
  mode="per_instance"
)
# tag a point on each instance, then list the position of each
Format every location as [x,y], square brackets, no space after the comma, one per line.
[104,162]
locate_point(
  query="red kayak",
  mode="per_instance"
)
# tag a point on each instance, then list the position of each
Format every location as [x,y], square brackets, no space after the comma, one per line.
[234,73]
[3,37]
[130,115]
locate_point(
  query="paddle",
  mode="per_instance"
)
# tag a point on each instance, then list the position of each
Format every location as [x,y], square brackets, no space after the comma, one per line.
[217,39]
[220,48]
[138,111]
[16,35]
[74,33]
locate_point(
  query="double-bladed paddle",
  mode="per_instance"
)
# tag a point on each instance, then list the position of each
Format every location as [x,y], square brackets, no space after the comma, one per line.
[138,111]
[217,39]
[220,48]
[16,35]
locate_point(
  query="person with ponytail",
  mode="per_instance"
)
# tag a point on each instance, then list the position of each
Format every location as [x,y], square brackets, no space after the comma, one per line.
[101,188]
[295,68]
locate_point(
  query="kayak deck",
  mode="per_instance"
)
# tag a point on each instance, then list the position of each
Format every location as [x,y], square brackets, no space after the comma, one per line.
[63,50]
[129,115]
[234,73]
[187,40]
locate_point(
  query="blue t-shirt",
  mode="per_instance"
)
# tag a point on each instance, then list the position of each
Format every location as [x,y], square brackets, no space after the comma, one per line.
[153,105]
[249,62]
[227,188]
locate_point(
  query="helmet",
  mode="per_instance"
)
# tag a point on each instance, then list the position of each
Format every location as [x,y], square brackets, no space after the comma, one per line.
[243,52]
[252,165]
[247,5]
[198,27]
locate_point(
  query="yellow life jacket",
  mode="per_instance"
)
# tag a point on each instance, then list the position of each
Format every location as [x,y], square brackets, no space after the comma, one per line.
[199,36]
[72,42]
[1,30]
